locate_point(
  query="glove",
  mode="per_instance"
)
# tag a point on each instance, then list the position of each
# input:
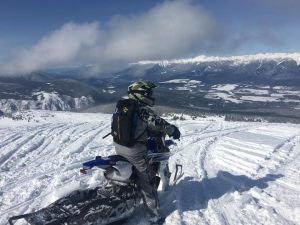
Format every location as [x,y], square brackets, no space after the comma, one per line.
[176,133]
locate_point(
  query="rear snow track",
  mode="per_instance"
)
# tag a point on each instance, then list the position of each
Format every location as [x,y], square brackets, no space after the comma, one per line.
[234,172]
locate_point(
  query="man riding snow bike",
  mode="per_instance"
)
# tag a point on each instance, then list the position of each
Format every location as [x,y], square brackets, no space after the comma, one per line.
[143,122]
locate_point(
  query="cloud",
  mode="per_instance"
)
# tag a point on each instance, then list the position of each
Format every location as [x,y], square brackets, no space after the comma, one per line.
[168,30]
[281,2]
[259,37]
[261,26]
[57,49]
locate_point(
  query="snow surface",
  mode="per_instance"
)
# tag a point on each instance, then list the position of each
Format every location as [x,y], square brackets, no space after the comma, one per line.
[234,172]
[225,96]
[181,81]
[225,87]
[236,60]
[260,98]
[188,85]
[108,91]
[223,91]
[253,91]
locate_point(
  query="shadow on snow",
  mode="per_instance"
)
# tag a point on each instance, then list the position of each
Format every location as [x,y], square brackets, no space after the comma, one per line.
[191,195]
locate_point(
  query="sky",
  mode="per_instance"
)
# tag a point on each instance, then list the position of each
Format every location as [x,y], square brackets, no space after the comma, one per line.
[36,34]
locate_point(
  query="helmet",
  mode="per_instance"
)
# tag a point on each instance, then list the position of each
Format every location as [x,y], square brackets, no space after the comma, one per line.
[142,92]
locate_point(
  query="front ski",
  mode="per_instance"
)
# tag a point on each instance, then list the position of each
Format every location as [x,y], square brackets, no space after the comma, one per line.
[178,174]
[54,215]
[168,180]
[11,219]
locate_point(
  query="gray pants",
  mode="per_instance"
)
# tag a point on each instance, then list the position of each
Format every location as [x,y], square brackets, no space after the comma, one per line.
[136,155]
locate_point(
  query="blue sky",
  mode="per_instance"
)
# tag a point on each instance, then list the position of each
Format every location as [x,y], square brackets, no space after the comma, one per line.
[36,34]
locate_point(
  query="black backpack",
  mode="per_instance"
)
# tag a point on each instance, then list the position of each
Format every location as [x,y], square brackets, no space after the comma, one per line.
[124,122]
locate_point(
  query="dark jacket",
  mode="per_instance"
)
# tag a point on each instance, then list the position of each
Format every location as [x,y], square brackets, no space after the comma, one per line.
[150,122]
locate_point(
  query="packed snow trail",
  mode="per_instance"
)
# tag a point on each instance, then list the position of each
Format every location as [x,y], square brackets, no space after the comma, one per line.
[234,172]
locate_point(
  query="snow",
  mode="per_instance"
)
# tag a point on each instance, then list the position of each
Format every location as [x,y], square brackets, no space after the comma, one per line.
[183,89]
[51,100]
[221,95]
[259,98]
[281,87]
[223,91]
[234,172]
[272,98]
[181,81]
[236,94]
[235,60]
[108,91]
[188,84]
[252,91]
[225,87]
[289,92]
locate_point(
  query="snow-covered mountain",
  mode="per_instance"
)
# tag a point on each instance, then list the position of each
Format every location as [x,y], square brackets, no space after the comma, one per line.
[46,91]
[234,172]
[235,60]
[265,84]
[46,101]
[267,69]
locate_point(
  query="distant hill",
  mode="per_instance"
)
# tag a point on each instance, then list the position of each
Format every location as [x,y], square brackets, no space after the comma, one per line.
[262,84]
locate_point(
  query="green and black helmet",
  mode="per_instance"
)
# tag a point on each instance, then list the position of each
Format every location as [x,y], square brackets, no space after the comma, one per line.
[142,91]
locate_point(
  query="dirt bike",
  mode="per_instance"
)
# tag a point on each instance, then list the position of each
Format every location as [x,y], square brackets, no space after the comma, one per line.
[112,202]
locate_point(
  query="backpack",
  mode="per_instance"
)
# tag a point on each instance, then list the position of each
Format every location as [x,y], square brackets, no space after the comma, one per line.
[124,122]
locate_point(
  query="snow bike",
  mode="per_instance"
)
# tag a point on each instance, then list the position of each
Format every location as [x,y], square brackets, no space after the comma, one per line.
[114,201]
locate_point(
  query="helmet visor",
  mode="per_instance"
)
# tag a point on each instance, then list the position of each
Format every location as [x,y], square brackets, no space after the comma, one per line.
[148,93]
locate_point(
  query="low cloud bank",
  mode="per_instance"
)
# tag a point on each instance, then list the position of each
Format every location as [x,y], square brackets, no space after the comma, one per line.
[168,30]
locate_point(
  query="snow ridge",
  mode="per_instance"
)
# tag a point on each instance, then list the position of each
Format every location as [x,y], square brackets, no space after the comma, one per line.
[237,60]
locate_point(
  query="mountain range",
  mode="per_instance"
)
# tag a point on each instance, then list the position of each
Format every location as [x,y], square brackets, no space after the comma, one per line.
[262,84]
